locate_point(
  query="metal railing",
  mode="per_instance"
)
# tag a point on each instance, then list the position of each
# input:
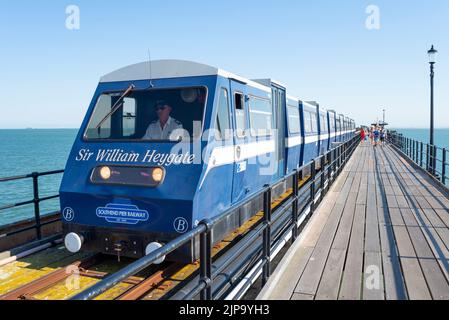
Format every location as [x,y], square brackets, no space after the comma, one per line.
[301,203]
[429,157]
[36,201]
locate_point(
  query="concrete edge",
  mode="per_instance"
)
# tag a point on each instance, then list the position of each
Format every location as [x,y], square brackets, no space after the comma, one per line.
[29,246]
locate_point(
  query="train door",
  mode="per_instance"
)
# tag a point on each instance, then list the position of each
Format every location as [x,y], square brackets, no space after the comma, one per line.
[240,186]
[279,105]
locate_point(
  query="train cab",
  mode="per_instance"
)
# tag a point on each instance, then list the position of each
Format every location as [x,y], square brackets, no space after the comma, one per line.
[158,153]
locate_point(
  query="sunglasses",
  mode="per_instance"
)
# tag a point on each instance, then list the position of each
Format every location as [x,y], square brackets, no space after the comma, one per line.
[160,108]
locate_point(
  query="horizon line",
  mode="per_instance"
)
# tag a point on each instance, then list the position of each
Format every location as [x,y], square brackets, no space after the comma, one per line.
[74,128]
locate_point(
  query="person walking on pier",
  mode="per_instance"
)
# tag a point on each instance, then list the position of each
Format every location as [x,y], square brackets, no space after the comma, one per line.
[362,135]
[376,135]
[382,137]
[371,135]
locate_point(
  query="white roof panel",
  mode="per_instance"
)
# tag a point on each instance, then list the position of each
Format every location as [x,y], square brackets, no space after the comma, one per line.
[166,69]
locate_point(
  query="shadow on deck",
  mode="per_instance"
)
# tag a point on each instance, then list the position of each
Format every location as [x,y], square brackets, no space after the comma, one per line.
[382,232]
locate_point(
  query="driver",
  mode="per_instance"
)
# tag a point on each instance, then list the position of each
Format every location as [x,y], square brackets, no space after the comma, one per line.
[166,127]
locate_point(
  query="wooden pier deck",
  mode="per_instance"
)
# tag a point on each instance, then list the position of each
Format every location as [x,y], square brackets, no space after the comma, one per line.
[382,232]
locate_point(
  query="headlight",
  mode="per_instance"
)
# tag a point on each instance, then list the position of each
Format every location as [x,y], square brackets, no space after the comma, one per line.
[105,173]
[158,174]
[128,175]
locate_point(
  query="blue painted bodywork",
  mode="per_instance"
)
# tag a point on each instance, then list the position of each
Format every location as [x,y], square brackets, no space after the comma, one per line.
[311,137]
[294,152]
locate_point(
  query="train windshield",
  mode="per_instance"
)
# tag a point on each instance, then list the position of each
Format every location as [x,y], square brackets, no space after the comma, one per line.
[148,115]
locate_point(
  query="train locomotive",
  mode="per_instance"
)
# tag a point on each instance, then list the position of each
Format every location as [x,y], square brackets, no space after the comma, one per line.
[166,144]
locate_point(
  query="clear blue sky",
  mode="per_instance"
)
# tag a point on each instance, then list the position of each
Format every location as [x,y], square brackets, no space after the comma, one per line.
[320,49]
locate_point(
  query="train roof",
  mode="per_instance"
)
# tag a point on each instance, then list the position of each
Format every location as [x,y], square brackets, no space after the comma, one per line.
[165,69]
[268,82]
[313,103]
[308,105]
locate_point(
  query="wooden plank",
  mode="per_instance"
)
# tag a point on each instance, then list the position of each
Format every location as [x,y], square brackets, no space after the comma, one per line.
[402,201]
[414,278]
[444,201]
[344,229]
[433,218]
[373,285]
[352,278]
[287,283]
[444,215]
[321,217]
[420,244]
[361,197]
[392,202]
[330,282]
[423,202]
[434,202]
[329,230]
[409,218]
[435,279]
[300,296]
[383,216]
[439,249]
[444,235]
[372,238]
[403,242]
[388,189]
[396,217]
[394,280]
[308,283]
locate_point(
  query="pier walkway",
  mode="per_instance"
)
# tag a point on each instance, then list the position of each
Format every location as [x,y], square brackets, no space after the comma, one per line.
[382,232]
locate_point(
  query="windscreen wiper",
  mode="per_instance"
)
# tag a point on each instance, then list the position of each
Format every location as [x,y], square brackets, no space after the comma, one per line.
[116,106]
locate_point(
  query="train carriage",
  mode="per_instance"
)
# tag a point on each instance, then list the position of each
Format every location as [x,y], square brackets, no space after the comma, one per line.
[311,131]
[294,140]
[324,130]
[332,127]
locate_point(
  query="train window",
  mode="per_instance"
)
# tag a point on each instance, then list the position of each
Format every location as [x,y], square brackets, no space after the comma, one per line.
[102,109]
[239,114]
[167,115]
[314,121]
[332,123]
[129,117]
[222,125]
[323,124]
[307,122]
[294,125]
[261,116]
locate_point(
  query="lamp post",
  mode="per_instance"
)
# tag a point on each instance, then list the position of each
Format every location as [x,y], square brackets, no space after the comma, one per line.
[432,54]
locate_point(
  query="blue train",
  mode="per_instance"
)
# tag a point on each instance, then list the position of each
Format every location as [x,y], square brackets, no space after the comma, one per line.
[166,144]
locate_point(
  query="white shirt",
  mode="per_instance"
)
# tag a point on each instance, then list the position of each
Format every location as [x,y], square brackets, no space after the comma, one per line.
[168,132]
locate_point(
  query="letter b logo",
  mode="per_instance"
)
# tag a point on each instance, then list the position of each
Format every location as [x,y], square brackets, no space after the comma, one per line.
[181,225]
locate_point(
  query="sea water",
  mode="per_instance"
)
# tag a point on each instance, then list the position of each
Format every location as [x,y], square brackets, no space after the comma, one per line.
[40,150]
[26,151]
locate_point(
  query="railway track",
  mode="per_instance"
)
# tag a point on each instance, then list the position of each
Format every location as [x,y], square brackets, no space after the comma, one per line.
[158,284]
